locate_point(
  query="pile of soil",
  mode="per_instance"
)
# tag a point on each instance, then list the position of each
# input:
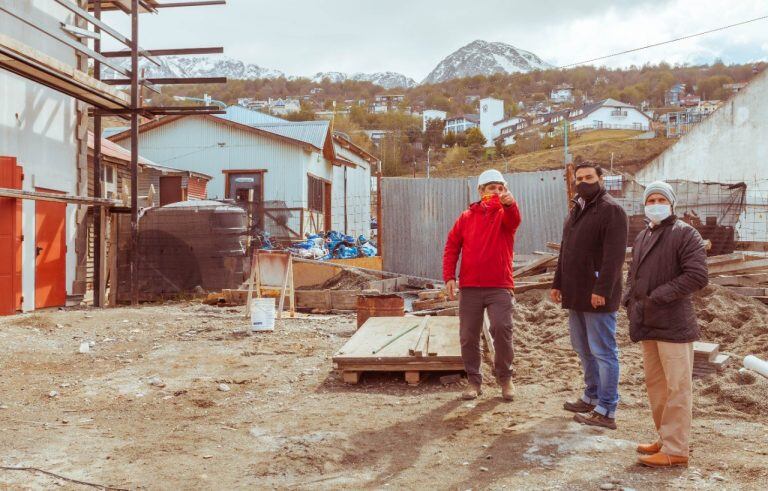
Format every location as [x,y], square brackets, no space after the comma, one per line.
[738,323]
[348,280]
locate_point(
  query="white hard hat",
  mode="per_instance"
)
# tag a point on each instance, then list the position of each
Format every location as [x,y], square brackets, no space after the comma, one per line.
[490,175]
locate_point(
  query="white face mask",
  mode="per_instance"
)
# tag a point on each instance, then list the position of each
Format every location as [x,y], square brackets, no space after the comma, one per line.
[657,213]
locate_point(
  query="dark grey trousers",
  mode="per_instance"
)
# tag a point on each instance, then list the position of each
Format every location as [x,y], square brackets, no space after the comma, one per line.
[472,304]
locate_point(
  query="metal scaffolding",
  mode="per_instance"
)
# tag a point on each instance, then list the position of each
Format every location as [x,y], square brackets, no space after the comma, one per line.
[99,93]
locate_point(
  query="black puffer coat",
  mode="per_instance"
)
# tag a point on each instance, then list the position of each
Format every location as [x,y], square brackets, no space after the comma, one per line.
[669,264]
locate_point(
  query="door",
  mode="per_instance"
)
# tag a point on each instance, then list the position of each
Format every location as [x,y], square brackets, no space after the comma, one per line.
[170,190]
[327,207]
[50,253]
[10,239]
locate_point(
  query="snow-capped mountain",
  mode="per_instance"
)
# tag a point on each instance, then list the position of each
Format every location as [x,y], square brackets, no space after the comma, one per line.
[224,66]
[198,66]
[484,58]
[387,80]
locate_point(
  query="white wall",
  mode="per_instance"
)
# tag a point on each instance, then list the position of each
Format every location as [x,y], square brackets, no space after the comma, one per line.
[729,146]
[603,114]
[491,111]
[37,126]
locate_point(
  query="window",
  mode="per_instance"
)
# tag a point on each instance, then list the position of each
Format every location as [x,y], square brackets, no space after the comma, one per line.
[315,194]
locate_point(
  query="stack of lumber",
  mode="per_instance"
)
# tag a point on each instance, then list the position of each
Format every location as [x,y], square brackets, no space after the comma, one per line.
[536,274]
[707,359]
[433,302]
[401,344]
[742,273]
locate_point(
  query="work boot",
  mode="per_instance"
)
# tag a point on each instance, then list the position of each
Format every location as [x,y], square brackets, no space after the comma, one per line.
[660,459]
[595,419]
[578,406]
[507,390]
[472,391]
[649,448]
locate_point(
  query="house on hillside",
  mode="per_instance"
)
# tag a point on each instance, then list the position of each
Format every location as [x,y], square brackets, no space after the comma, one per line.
[672,96]
[383,103]
[460,124]
[611,114]
[561,93]
[303,178]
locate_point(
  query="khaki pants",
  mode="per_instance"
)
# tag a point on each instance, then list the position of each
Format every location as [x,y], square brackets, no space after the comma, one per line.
[668,377]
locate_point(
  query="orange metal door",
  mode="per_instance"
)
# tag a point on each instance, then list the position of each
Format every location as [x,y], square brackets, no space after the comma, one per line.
[10,239]
[50,253]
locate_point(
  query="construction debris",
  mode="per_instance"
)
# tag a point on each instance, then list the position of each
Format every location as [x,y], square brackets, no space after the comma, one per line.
[707,359]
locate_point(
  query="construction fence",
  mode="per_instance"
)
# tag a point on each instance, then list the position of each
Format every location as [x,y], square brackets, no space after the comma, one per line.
[418,213]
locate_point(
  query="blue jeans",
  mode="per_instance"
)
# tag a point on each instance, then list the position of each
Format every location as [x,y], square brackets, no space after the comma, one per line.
[593,337]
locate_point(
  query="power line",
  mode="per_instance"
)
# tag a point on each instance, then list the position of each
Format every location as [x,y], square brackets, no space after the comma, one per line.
[666,42]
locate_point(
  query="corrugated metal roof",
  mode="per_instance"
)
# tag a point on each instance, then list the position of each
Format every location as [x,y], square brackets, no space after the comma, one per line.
[243,115]
[312,132]
[113,131]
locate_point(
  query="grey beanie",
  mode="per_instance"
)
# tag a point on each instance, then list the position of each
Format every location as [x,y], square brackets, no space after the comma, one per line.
[661,188]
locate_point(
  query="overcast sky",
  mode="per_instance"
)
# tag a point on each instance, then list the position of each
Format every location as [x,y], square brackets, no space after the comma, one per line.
[302,37]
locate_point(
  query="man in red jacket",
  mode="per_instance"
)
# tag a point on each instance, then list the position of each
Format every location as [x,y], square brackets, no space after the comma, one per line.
[484,235]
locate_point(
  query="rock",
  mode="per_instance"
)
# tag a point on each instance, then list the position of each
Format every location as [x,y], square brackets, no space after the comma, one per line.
[616,481]
[3,406]
[607,485]
[156,382]
[85,347]
[484,469]
[224,388]
[59,326]
[207,456]
[53,393]
[64,385]
[718,477]
[746,376]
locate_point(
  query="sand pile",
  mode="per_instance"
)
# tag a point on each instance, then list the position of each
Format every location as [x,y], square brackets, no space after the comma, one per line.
[739,324]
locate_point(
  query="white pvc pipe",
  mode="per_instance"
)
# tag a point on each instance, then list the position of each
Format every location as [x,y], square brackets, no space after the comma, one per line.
[756,364]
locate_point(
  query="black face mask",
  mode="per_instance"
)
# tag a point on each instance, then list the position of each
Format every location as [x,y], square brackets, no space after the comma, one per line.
[588,190]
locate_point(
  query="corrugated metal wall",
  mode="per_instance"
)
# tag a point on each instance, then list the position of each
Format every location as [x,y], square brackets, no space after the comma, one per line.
[418,213]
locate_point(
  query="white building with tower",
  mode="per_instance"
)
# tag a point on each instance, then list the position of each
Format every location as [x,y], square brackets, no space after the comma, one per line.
[491,111]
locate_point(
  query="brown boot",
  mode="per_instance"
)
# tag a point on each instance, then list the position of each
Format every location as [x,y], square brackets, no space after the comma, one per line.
[507,390]
[595,419]
[578,406]
[649,448]
[471,392]
[660,459]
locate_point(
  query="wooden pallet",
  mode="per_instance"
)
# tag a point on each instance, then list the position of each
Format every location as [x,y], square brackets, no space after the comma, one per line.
[401,344]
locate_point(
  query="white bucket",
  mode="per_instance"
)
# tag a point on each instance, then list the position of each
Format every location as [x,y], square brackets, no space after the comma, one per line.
[263,314]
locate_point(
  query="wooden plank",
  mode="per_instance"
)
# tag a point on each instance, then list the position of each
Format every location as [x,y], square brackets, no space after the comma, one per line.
[762,299]
[434,304]
[377,331]
[344,299]
[350,377]
[487,335]
[412,377]
[753,279]
[752,246]
[427,365]
[534,265]
[748,291]
[743,267]
[313,299]
[419,349]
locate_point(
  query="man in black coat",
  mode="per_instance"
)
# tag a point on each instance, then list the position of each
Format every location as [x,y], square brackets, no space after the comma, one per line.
[588,282]
[669,263]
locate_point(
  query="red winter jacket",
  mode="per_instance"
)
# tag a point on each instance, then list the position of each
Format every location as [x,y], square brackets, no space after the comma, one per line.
[485,236]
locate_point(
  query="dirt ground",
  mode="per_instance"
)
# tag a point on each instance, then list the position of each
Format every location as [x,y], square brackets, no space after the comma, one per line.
[144,409]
